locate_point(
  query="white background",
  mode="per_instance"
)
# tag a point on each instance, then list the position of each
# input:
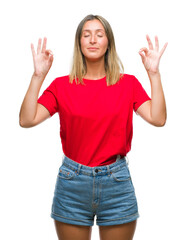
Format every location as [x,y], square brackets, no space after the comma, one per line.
[30,158]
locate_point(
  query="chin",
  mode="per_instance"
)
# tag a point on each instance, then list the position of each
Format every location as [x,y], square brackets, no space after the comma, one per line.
[94,58]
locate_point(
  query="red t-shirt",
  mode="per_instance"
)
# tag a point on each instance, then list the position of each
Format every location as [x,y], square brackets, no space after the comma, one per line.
[95,119]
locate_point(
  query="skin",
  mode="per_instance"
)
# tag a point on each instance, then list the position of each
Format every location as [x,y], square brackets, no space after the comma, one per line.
[152,111]
[93,35]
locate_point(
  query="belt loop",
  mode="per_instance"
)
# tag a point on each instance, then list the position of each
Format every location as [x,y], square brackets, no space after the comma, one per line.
[108,170]
[78,169]
[118,158]
[63,158]
[127,160]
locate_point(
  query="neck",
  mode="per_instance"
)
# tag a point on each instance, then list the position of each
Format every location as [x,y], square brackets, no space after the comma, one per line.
[95,70]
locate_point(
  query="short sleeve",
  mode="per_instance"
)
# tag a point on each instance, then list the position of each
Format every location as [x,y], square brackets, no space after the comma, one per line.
[49,99]
[139,94]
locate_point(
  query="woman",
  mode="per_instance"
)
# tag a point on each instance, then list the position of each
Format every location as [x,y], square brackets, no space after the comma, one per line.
[95,105]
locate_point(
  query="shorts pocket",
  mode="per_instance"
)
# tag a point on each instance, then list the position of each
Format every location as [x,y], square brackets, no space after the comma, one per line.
[122,175]
[66,173]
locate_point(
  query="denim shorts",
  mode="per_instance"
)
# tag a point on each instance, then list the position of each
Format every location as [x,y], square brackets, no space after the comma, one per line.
[81,192]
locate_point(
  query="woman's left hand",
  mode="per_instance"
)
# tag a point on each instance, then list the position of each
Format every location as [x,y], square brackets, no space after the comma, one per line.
[152,56]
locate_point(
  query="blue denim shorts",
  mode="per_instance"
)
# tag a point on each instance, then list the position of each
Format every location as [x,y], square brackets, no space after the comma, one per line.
[81,192]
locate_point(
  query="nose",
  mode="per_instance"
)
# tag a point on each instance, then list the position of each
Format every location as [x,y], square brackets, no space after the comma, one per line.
[92,39]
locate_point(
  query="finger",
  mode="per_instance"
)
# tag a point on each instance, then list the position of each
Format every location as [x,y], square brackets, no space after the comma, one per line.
[163,49]
[144,49]
[33,51]
[39,46]
[156,44]
[44,45]
[51,58]
[48,52]
[149,42]
[142,55]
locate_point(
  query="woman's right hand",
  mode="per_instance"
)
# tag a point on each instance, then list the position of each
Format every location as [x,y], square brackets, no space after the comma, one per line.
[43,59]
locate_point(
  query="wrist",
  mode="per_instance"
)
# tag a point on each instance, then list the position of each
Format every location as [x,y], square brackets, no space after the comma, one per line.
[38,77]
[153,74]
[37,81]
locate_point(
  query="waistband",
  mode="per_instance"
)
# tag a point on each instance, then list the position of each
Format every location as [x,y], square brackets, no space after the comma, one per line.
[98,170]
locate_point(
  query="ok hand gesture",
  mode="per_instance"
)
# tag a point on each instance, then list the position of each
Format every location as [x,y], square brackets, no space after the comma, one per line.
[42,59]
[152,55]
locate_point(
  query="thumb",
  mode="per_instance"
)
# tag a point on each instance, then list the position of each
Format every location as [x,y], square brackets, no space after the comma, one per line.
[50,59]
[142,55]
[48,52]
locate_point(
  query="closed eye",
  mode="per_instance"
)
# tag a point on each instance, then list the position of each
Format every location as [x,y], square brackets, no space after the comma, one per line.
[89,35]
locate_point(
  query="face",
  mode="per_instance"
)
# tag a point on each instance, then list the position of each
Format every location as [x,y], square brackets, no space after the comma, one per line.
[94,42]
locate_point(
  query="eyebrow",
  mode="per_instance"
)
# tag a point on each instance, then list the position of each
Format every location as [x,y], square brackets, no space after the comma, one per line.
[95,30]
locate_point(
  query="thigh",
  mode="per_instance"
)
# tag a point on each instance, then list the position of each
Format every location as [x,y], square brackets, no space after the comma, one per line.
[67,231]
[120,232]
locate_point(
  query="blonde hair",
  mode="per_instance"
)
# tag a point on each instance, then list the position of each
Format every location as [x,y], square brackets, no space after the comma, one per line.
[113,64]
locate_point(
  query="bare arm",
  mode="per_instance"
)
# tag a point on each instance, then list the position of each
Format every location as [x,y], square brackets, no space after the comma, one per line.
[153,111]
[31,112]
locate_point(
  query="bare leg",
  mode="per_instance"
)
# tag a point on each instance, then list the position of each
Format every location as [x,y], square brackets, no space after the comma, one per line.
[67,231]
[118,232]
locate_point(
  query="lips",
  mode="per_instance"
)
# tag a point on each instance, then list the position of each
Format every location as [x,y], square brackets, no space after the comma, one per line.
[92,48]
